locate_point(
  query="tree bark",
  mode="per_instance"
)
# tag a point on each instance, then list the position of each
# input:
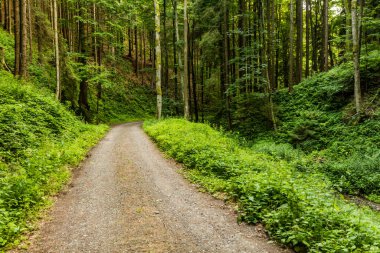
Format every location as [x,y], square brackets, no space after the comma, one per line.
[356,19]
[158,58]
[24,40]
[299,50]
[291,43]
[186,67]
[308,19]
[17,36]
[175,64]
[57,59]
[325,37]
[347,10]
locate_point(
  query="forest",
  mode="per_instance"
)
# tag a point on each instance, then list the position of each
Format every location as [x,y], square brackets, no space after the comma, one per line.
[272,106]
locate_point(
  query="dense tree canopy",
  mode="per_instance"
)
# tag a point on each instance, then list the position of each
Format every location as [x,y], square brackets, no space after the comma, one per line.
[234,48]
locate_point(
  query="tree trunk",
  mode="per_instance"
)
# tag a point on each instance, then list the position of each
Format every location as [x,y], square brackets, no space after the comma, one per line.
[56,43]
[356,19]
[186,67]
[136,54]
[175,64]
[225,60]
[194,78]
[325,37]
[299,50]
[30,26]
[166,65]
[308,19]
[347,10]
[291,39]
[17,37]
[158,58]
[24,40]
[84,107]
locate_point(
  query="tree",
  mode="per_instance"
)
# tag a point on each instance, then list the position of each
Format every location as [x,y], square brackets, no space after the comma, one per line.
[291,56]
[325,37]
[158,58]
[299,49]
[57,59]
[17,35]
[23,39]
[356,23]
[186,64]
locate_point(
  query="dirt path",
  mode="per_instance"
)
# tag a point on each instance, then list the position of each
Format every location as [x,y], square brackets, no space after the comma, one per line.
[128,198]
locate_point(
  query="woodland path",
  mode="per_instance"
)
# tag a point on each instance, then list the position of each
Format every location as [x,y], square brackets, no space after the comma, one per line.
[128,198]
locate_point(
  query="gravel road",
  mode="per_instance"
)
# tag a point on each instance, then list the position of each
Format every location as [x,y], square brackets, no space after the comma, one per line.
[128,198]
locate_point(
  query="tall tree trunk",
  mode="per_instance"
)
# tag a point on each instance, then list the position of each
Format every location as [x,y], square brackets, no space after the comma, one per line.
[57,59]
[325,37]
[347,10]
[175,64]
[180,65]
[4,10]
[194,77]
[299,49]
[241,43]
[225,60]
[84,106]
[136,53]
[186,67]
[308,19]
[17,36]
[166,54]
[130,43]
[291,44]
[158,58]
[24,40]
[356,20]
[30,32]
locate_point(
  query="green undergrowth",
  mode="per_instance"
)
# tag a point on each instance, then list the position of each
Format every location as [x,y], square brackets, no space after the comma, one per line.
[127,103]
[40,141]
[320,119]
[318,122]
[298,209]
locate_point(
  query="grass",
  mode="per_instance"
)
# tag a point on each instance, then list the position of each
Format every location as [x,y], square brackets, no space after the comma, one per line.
[40,141]
[298,209]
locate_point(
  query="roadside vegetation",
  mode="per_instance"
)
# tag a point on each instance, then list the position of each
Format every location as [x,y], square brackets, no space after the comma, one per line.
[297,208]
[320,130]
[294,180]
[40,143]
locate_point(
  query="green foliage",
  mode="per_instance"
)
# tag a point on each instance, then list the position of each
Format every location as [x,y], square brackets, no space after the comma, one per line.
[123,103]
[39,141]
[298,209]
[319,119]
[7,43]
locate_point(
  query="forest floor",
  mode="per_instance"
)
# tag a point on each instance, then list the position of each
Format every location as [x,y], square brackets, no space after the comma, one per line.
[127,197]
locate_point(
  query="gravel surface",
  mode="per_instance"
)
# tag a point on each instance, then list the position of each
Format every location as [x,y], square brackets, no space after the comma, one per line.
[128,198]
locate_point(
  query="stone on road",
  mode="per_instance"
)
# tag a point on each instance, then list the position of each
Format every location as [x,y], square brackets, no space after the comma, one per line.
[128,198]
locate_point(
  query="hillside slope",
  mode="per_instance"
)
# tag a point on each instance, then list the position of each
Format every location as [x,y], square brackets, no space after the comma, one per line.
[318,122]
[40,140]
